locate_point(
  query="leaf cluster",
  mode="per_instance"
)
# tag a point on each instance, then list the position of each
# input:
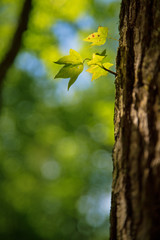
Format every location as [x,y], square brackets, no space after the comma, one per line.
[73,63]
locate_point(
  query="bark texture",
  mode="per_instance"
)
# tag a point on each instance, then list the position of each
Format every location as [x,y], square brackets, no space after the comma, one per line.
[135,211]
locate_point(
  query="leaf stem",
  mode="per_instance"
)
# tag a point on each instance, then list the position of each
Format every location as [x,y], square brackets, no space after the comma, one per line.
[86,59]
[113,39]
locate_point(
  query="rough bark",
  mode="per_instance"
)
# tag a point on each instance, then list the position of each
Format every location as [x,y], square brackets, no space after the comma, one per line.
[135,211]
[17,40]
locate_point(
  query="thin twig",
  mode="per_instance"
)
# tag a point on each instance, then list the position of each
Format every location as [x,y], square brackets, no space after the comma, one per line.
[86,59]
[113,39]
[114,73]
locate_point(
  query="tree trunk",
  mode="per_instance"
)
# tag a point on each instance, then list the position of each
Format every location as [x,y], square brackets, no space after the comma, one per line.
[16,41]
[135,211]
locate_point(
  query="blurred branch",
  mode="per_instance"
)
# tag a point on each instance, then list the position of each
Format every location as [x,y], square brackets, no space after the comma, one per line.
[17,40]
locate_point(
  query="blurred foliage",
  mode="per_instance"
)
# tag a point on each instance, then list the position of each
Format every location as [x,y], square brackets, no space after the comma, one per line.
[55,146]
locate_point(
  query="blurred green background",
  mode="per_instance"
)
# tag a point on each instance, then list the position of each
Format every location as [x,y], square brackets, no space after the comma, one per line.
[55,145]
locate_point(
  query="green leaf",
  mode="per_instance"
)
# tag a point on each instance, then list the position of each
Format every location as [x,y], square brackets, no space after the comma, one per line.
[98,38]
[73,66]
[73,58]
[70,71]
[95,59]
[75,73]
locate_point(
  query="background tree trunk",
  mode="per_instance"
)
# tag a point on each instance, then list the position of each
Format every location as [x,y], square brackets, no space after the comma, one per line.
[16,41]
[135,212]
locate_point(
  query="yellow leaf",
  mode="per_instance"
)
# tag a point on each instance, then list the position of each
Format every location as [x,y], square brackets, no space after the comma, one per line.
[95,59]
[97,70]
[98,38]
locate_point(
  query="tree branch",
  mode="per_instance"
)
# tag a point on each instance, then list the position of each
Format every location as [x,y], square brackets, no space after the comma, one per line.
[17,40]
[114,73]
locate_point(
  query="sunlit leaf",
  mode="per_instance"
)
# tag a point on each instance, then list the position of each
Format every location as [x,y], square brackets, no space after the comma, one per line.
[98,38]
[97,66]
[98,71]
[73,58]
[95,59]
[75,71]
[107,65]
[70,71]
[73,66]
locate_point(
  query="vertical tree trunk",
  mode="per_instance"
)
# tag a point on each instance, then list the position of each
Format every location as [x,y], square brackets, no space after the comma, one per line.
[135,211]
[16,41]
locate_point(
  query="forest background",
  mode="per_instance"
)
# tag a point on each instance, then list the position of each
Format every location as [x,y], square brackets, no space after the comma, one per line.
[55,145]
